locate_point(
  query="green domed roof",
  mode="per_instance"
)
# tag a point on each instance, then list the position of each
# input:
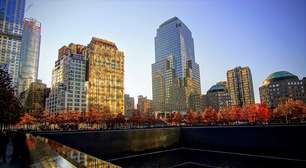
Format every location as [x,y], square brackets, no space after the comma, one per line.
[220,86]
[278,76]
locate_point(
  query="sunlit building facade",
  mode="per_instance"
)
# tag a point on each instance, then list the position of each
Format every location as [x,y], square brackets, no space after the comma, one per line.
[11,28]
[105,77]
[240,86]
[144,105]
[34,97]
[69,85]
[29,54]
[175,74]
[217,97]
[281,86]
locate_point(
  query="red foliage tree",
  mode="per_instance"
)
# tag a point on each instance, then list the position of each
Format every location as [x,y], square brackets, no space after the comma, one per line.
[210,116]
[223,115]
[250,112]
[177,119]
[191,117]
[290,110]
[234,114]
[27,120]
[93,116]
[263,113]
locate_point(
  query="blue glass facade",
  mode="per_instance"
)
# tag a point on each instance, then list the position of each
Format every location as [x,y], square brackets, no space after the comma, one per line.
[11,27]
[29,54]
[174,38]
[175,74]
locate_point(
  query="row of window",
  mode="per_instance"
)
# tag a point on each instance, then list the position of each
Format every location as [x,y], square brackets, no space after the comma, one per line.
[295,83]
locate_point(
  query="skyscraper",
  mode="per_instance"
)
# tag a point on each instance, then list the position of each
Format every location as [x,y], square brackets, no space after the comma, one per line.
[29,53]
[240,86]
[11,27]
[69,85]
[175,74]
[105,77]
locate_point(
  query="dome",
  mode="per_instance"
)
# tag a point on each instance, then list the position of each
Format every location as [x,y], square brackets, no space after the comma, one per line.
[279,76]
[220,86]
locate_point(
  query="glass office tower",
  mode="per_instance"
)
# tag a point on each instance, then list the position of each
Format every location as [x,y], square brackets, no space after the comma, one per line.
[29,54]
[175,74]
[11,27]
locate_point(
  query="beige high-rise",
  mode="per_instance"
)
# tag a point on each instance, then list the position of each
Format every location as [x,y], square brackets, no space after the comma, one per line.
[240,86]
[105,77]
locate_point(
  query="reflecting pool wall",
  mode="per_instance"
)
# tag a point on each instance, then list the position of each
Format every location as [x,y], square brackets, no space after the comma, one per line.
[281,140]
[117,143]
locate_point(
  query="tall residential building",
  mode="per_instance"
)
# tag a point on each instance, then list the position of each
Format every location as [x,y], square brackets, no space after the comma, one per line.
[144,105]
[217,97]
[88,78]
[175,74]
[129,105]
[29,54]
[11,27]
[240,86]
[34,98]
[69,86]
[105,77]
[281,86]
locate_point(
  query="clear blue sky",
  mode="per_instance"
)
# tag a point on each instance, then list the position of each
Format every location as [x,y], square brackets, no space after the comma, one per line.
[266,35]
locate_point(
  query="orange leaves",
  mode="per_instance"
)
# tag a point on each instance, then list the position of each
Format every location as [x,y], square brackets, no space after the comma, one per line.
[210,115]
[27,119]
[294,110]
[93,116]
[177,118]
[192,117]
[289,111]
[235,114]
[251,113]
[264,113]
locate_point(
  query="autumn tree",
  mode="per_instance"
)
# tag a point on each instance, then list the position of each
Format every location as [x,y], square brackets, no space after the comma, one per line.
[210,115]
[10,108]
[234,114]
[290,110]
[95,117]
[119,119]
[27,120]
[250,113]
[177,119]
[223,115]
[137,118]
[263,113]
[191,117]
